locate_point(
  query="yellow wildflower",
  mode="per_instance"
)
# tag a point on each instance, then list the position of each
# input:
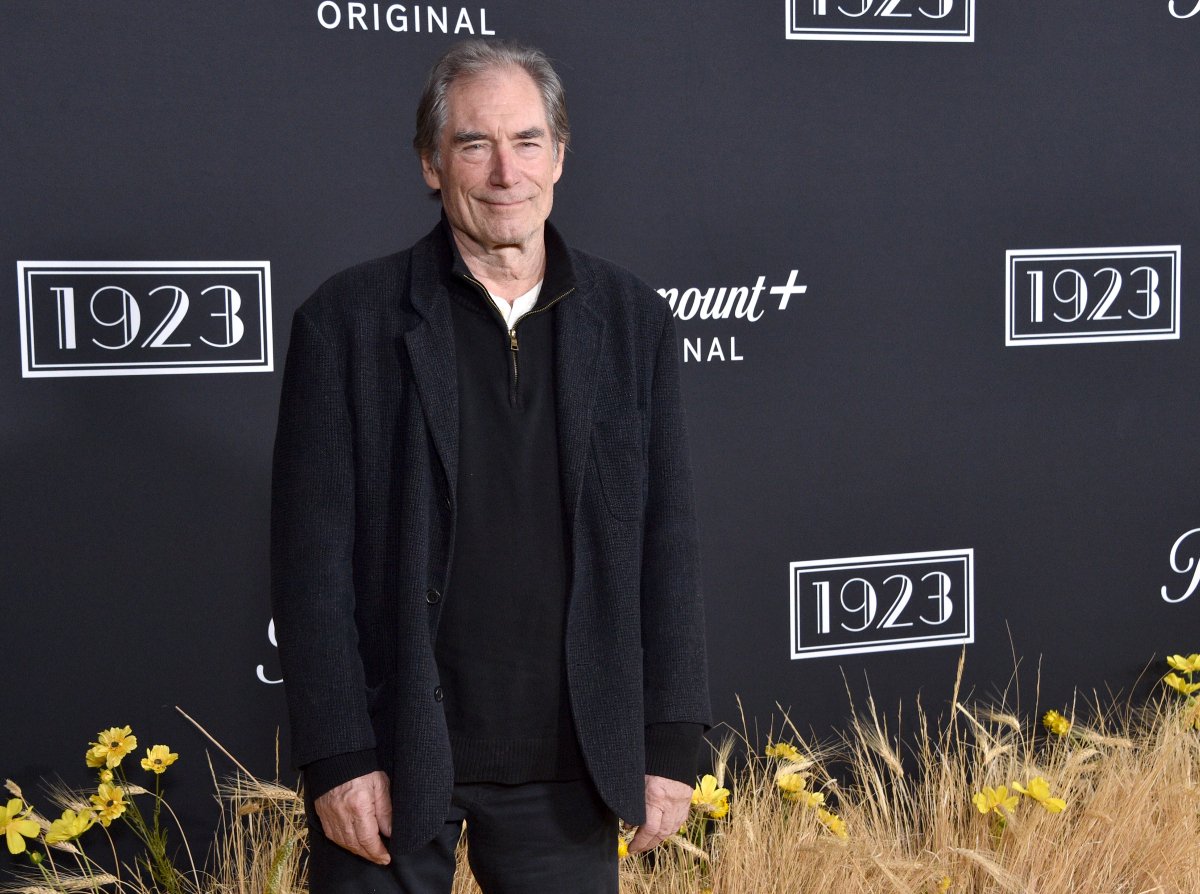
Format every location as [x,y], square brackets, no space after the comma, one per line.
[791,784]
[811,799]
[16,825]
[622,848]
[793,788]
[97,756]
[710,798]
[114,743]
[1039,790]
[1056,723]
[106,776]
[833,823]
[1179,684]
[785,751]
[1188,665]
[159,758]
[110,803]
[995,800]
[72,825]
[944,884]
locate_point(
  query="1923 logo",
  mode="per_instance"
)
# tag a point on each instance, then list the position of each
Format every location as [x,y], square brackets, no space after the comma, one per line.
[908,20]
[1057,296]
[882,603]
[107,318]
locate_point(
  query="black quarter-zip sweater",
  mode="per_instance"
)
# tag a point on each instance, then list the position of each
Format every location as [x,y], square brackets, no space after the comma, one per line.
[500,638]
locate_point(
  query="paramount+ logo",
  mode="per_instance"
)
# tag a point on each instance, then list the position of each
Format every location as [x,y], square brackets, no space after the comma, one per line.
[115,318]
[944,21]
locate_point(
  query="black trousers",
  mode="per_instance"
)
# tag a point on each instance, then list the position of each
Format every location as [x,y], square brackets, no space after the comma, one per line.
[531,838]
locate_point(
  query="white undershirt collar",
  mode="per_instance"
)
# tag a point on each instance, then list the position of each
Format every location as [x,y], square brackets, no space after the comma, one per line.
[520,306]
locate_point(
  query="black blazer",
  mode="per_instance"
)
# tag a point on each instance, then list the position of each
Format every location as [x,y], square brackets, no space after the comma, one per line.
[363,512]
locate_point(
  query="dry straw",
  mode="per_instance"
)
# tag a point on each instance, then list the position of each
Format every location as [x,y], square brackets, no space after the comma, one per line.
[983,801]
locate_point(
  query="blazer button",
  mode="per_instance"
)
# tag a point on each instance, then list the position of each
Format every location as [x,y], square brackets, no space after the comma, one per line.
[432,596]
[437,694]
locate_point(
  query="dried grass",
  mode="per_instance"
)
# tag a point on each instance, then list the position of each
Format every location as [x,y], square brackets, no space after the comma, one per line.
[1131,780]
[1132,823]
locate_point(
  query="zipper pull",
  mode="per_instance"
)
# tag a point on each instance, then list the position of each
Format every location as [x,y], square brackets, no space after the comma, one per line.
[512,340]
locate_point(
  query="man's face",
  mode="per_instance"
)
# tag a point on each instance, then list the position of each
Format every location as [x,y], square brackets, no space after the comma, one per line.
[498,161]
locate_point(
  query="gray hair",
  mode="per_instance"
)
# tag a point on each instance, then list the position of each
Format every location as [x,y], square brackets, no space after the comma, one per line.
[472,57]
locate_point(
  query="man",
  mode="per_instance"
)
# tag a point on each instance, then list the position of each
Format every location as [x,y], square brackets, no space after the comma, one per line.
[484,568]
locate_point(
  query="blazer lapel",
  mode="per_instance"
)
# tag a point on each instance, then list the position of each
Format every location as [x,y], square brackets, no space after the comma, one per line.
[580,334]
[431,351]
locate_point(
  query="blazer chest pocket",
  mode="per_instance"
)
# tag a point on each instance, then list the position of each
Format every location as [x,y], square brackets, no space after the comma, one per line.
[620,464]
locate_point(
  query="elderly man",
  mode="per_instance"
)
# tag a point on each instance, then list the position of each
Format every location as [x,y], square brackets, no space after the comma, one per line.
[484,562]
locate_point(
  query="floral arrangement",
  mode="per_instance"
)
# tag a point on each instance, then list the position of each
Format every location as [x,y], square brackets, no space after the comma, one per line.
[256,848]
[983,803]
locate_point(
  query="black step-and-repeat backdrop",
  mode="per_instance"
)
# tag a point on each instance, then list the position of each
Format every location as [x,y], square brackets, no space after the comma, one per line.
[928,263]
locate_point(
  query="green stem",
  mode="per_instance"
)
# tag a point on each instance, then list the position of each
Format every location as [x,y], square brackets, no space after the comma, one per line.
[155,840]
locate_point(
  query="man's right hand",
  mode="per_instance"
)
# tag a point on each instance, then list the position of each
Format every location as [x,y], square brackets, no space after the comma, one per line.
[356,813]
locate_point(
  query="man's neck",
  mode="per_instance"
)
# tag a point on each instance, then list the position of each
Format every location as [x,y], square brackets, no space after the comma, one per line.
[507,271]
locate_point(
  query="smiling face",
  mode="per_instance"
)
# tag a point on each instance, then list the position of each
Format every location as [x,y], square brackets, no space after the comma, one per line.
[498,161]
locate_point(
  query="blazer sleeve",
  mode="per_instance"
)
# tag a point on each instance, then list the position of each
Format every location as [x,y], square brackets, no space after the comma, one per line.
[674,663]
[312,546]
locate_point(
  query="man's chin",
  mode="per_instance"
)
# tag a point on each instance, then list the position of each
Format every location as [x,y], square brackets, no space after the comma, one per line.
[512,237]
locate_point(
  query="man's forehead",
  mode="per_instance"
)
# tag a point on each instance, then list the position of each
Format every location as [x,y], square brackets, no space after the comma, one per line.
[508,93]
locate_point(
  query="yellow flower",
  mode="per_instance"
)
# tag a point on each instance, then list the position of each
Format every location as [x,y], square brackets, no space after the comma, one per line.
[791,784]
[622,848]
[785,751]
[833,823]
[1188,665]
[1039,790]
[72,825]
[159,758]
[811,799]
[106,776]
[114,744]
[793,787]
[17,826]
[944,884]
[1056,723]
[110,803]
[710,798]
[1179,684]
[97,756]
[994,800]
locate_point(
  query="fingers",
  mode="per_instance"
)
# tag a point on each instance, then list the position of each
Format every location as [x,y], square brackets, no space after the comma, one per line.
[383,811]
[649,834]
[667,803]
[354,814]
[657,828]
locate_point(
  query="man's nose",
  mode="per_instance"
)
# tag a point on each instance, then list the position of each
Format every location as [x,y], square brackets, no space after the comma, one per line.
[504,169]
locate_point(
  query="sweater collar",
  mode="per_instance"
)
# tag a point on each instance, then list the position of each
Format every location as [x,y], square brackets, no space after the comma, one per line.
[560,271]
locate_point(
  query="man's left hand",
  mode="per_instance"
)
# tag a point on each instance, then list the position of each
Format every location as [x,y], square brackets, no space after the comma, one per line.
[667,803]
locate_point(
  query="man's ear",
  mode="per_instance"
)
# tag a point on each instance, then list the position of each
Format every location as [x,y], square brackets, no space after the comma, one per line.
[558,160]
[432,179]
